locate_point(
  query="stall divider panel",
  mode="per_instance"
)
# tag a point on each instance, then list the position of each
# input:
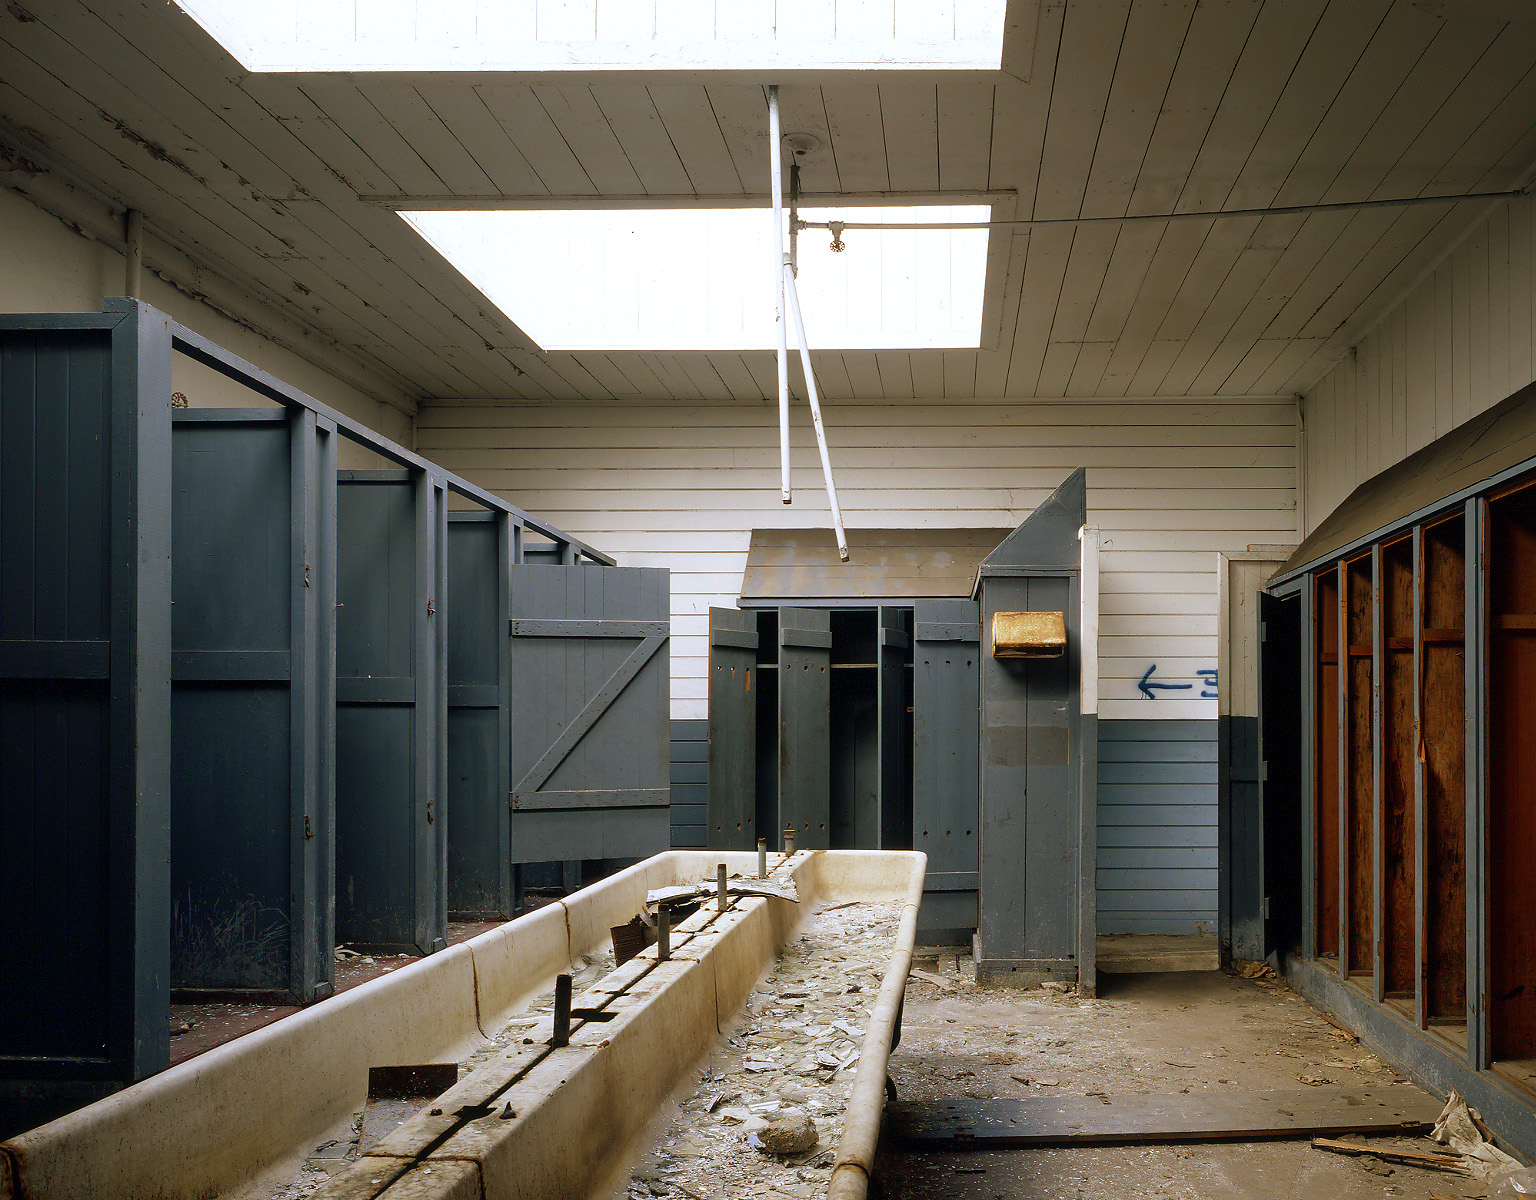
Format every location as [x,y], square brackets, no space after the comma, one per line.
[253,590]
[391,849]
[805,652]
[85,603]
[731,816]
[946,758]
[590,726]
[481,549]
[312,600]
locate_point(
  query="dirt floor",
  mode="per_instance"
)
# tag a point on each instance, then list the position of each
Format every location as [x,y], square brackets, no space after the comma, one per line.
[1196,1032]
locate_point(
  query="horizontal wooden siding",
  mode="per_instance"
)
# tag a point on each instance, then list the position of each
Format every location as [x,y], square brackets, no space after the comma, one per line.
[683,485]
[690,767]
[1461,341]
[1157,827]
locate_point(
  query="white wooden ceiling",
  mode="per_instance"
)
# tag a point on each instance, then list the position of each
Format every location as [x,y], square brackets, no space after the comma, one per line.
[287,184]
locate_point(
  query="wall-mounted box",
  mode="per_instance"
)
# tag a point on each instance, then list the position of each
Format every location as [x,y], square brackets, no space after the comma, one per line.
[1029,634]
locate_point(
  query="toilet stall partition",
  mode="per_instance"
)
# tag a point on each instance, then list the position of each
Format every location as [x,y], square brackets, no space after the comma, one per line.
[482,546]
[253,552]
[170,722]
[85,701]
[946,763]
[590,723]
[391,711]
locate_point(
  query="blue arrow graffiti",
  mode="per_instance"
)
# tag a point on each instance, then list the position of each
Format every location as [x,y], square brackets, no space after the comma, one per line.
[1146,687]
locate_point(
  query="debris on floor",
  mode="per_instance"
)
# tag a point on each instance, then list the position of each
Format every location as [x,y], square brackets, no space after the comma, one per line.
[1196,1037]
[1435,1162]
[767,1114]
[1460,1128]
[782,888]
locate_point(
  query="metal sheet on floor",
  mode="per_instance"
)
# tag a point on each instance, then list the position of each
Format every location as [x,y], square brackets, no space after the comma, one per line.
[1241,1116]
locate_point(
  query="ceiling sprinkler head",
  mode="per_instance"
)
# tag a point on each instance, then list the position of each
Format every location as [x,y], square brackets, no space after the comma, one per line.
[801,144]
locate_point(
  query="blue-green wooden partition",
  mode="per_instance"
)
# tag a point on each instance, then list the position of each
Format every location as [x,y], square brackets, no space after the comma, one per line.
[946,761]
[732,750]
[1033,832]
[482,546]
[110,785]
[252,640]
[391,711]
[804,674]
[590,727]
[85,705]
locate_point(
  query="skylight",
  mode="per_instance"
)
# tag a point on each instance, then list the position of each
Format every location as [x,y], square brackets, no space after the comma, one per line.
[784,36]
[703,279]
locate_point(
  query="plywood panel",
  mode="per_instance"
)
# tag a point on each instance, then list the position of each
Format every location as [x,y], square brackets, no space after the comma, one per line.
[1511,559]
[1442,608]
[1359,774]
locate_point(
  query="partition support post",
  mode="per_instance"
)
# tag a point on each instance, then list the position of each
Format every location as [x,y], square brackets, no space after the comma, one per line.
[780,264]
[810,391]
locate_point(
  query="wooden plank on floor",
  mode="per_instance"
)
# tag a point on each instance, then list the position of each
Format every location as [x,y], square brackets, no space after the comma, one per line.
[1235,1116]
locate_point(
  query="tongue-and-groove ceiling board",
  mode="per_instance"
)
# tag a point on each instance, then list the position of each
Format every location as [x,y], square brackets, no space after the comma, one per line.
[287,184]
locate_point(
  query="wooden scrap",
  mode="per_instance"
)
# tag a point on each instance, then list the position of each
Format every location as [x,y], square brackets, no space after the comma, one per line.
[936,980]
[1437,1162]
[1349,1034]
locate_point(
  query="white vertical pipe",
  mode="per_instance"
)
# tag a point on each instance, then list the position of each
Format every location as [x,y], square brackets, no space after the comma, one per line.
[1088,618]
[793,296]
[775,156]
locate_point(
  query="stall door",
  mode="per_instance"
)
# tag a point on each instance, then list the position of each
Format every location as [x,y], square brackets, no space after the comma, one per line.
[946,759]
[733,732]
[590,712]
[805,655]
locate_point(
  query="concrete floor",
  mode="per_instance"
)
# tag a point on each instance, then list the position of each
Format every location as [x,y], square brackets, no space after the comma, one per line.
[1147,1034]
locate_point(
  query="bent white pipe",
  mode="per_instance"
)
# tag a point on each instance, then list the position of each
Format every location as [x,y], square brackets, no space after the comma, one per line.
[810,390]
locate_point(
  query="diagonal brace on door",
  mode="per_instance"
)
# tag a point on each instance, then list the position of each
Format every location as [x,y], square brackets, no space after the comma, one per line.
[540,772]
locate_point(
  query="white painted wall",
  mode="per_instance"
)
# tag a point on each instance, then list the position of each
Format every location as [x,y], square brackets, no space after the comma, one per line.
[1461,341]
[683,485]
[48,267]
